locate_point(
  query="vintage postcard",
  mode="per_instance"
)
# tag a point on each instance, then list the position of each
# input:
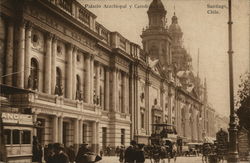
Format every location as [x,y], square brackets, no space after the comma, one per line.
[124,80]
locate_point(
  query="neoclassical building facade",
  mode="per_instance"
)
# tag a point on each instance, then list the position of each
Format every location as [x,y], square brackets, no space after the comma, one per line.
[93,85]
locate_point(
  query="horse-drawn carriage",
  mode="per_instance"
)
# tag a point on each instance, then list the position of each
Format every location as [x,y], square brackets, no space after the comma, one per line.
[162,147]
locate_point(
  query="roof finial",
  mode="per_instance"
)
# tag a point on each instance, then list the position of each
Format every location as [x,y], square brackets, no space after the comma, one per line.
[174,8]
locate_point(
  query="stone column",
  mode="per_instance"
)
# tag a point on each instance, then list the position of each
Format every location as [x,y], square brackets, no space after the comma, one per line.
[27,60]
[97,137]
[20,54]
[123,110]
[76,133]
[126,93]
[53,65]
[35,121]
[187,125]
[55,129]
[91,78]
[47,74]
[80,131]
[69,71]
[9,55]
[114,90]
[74,73]
[60,130]
[195,125]
[170,104]
[97,90]
[94,136]
[107,92]
[147,109]
[132,102]
[163,104]
[87,80]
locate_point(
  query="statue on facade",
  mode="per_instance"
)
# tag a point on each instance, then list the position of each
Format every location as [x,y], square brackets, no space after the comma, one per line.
[60,90]
[97,100]
[30,83]
[35,86]
[78,95]
[56,90]
[94,99]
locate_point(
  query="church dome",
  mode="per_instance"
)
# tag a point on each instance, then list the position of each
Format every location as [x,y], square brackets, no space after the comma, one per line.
[174,27]
[156,6]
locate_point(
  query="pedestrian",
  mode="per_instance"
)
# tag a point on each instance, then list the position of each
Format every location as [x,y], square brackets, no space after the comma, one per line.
[71,154]
[140,156]
[108,150]
[40,153]
[117,151]
[121,154]
[37,152]
[101,152]
[130,152]
[60,156]
[49,153]
[83,151]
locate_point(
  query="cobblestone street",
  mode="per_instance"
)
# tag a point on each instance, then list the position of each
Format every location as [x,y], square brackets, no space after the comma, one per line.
[113,159]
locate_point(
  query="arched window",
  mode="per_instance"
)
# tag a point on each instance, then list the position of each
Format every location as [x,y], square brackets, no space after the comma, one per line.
[33,78]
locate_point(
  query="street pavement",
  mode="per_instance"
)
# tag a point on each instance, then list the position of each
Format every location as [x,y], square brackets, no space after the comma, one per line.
[113,159]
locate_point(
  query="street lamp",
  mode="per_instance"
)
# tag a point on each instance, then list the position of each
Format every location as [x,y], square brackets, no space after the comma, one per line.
[233,156]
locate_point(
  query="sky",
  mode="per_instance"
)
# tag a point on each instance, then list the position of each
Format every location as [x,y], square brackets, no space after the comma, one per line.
[201,29]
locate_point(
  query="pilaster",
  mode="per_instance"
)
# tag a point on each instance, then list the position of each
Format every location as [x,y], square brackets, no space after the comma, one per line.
[107,89]
[69,71]
[53,64]
[55,129]
[75,49]
[47,74]
[9,55]
[87,80]
[21,54]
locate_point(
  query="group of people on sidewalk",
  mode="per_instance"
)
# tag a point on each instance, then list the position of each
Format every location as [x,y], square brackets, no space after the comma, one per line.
[132,154]
[57,153]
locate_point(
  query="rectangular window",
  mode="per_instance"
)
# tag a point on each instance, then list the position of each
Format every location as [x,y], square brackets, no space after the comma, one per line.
[104,137]
[84,131]
[65,132]
[7,136]
[142,120]
[16,137]
[26,137]
[123,136]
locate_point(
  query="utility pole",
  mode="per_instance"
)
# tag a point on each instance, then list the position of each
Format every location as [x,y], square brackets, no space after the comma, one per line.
[233,156]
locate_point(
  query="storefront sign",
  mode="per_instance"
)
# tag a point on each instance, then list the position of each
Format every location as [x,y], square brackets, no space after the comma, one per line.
[17,118]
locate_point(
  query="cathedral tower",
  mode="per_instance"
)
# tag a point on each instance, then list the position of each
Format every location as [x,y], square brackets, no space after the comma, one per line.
[181,59]
[155,38]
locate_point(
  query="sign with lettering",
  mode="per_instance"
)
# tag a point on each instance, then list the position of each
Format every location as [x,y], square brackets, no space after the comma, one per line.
[243,141]
[17,118]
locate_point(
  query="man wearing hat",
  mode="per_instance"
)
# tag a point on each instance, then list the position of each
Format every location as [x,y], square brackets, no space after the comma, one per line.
[130,152]
[60,156]
[82,152]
